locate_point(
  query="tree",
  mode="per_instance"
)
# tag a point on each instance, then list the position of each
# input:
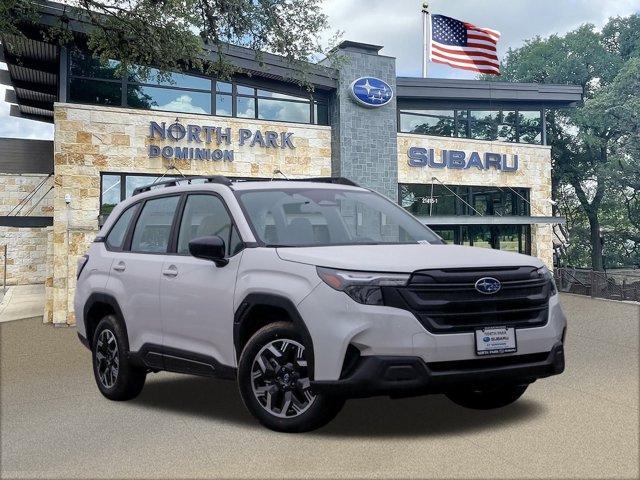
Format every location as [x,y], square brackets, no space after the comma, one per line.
[594,146]
[172,35]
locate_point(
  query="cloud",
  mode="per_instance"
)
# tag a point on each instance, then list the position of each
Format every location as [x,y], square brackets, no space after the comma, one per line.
[398,25]
[183,103]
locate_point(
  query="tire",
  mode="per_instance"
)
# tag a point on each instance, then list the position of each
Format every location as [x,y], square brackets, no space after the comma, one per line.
[487,399]
[116,378]
[274,383]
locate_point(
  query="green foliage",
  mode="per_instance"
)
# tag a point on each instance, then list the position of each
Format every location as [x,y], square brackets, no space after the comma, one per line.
[595,147]
[172,35]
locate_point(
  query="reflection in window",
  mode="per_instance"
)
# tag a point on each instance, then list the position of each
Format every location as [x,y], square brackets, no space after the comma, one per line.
[462,121]
[245,107]
[156,98]
[483,125]
[224,105]
[529,125]
[152,75]
[428,122]
[283,110]
[95,92]
[321,113]
[224,87]
[242,90]
[83,64]
[110,196]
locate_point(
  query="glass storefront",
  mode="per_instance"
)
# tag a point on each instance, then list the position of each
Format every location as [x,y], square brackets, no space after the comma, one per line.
[426,201]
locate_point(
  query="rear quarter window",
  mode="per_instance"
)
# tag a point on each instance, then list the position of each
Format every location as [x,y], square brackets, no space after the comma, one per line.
[115,238]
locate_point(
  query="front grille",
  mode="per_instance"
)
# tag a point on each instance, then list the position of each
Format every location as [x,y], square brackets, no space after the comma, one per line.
[446,300]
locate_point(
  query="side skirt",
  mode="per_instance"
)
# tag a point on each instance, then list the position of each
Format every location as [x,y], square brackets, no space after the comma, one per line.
[157,357]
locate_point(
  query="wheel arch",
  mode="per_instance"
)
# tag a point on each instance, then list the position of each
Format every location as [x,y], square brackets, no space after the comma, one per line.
[260,309]
[97,306]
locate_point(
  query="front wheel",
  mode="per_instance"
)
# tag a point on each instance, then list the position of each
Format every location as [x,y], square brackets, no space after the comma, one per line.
[489,398]
[273,377]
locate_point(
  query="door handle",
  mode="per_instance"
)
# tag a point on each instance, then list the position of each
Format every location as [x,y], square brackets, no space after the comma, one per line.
[170,271]
[120,267]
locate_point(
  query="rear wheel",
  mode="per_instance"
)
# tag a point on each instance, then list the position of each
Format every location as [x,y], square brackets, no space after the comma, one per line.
[273,377]
[116,378]
[489,398]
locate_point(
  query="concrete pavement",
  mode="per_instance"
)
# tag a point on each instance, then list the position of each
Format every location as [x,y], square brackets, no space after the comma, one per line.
[582,424]
[22,301]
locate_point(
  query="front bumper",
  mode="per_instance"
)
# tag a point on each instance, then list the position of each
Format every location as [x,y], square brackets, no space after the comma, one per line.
[409,376]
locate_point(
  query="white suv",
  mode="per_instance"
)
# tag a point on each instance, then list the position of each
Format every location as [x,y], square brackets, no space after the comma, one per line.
[307,293]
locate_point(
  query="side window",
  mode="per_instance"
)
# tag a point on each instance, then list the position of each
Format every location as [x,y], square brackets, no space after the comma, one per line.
[205,215]
[153,229]
[115,239]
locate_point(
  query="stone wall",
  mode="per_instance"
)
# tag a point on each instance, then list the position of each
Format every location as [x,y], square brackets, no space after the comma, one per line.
[26,247]
[534,172]
[89,140]
[364,139]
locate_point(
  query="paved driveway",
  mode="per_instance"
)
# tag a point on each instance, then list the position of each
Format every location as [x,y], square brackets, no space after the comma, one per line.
[582,424]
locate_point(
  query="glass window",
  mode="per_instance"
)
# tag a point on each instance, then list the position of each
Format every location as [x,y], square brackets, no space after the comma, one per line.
[245,107]
[283,111]
[152,231]
[506,124]
[267,93]
[428,122]
[110,193]
[157,98]
[223,105]
[206,215]
[95,92]
[483,125]
[321,113]
[529,127]
[293,217]
[152,75]
[115,239]
[223,87]
[83,64]
[462,119]
[242,90]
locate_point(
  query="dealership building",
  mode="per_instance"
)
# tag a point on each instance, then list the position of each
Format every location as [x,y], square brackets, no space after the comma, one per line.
[468,158]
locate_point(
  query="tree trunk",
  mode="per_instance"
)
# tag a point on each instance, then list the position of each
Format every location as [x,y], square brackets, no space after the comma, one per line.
[596,245]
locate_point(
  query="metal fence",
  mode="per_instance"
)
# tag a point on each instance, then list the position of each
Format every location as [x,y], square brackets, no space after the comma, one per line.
[615,285]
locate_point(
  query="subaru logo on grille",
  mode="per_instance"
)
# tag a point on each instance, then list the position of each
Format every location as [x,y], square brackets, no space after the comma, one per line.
[488,285]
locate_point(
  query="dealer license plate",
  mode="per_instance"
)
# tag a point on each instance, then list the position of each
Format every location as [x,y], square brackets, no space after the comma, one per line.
[496,340]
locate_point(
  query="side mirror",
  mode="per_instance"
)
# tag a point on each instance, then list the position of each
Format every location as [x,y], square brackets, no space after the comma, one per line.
[210,248]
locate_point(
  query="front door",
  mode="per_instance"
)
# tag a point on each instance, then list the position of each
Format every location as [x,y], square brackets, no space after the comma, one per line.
[196,295]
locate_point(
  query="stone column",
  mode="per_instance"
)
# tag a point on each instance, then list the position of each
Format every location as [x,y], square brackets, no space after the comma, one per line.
[363,140]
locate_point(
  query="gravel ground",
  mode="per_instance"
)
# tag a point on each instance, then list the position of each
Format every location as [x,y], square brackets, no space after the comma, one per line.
[582,424]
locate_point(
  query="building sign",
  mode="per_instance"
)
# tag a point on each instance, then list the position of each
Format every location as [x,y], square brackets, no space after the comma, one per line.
[371,92]
[457,159]
[198,135]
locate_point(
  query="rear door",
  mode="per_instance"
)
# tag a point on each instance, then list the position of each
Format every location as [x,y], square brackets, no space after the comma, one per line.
[197,296]
[136,270]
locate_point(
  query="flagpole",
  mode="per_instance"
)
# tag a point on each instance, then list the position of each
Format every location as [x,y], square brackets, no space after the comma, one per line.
[426,37]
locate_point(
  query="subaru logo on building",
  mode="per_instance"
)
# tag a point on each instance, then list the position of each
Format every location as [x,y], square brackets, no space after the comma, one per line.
[371,92]
[486,339]
[488,285]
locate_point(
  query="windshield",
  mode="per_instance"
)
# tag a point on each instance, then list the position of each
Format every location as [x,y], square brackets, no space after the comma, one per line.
[322,217]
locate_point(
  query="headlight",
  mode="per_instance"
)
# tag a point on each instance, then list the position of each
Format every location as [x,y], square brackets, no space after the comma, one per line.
[363,287]
[547,275]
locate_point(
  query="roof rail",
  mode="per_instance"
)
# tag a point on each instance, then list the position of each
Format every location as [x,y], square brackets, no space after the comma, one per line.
[221,179]
[334,180]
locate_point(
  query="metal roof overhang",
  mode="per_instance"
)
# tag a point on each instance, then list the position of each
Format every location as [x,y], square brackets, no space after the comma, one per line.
[451,93]
[490,220]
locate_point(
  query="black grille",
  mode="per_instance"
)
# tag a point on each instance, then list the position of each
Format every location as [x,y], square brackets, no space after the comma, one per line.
[446,300]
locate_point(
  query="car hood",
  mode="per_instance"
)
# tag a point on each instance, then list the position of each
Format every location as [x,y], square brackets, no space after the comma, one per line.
[404,258]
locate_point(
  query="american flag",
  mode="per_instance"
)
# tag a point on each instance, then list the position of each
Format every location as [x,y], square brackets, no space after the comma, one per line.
[463,45]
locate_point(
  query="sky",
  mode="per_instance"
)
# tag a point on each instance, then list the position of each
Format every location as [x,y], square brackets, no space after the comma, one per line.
[397,25]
